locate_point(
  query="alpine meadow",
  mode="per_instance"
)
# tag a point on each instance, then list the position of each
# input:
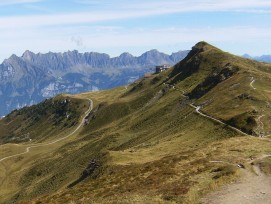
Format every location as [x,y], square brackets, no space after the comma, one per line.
[171,137]
[135,102]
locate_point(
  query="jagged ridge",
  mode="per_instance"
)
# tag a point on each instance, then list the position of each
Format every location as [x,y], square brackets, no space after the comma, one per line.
[33,77]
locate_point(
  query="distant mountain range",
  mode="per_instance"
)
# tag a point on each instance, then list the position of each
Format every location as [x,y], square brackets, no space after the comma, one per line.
[263,58]
[31,78]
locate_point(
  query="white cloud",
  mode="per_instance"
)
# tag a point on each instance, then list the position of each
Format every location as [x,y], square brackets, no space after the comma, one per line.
[116,39]
[90,2]
[183,5]
[55,31]
[12,2]
[134,9]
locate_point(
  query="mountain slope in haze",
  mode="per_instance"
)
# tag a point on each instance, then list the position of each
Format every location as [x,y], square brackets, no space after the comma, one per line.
[262,58]
[146,143]
[32,78]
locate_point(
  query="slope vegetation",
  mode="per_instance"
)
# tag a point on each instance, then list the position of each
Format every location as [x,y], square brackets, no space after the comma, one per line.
[227,87]
[147,143]
[41,121]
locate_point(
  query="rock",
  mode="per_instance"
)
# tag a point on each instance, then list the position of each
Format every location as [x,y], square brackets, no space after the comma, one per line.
[241,166]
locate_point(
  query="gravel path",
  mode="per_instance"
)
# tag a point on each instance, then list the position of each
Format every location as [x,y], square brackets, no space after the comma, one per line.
[252,188]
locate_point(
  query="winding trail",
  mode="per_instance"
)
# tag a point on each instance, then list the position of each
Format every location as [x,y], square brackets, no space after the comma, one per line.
[216,120]
[58,140]
[260,127]
[8,123]
[252,82]
[252,187]
[197,108]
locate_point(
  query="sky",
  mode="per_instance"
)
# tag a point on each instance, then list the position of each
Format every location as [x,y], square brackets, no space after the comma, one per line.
[135,26]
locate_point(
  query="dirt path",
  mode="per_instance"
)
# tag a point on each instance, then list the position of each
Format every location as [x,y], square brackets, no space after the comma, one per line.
[9,123]
[260,128]
[252,82]
[252,188]
[216,120]
[197,109]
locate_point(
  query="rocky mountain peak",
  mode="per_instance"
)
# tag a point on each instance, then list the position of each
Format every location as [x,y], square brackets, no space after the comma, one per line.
[126,55]
[12,59]
[28,55]
[203,46]
[153,52]
[247,56]
[73,52]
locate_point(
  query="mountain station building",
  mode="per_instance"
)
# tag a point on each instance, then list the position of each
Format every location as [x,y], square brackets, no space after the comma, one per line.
[162,68]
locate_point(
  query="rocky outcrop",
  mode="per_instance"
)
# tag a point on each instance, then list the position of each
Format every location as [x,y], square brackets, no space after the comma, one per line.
[211,81]
[92,166]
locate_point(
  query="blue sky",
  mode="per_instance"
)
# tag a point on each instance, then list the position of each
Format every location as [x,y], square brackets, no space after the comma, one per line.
[135,26]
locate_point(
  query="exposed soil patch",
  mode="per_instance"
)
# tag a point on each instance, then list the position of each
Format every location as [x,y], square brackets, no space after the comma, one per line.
[253,187]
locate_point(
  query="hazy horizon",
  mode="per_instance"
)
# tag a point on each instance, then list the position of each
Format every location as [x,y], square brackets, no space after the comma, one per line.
[117,26]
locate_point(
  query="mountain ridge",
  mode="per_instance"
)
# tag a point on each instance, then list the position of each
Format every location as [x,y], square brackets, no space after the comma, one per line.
[32,77]
[85,56]
[166,138]
[262,58]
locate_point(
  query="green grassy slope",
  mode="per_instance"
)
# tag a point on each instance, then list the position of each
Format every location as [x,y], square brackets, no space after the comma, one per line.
[144,143]
[221,84]
[42,121]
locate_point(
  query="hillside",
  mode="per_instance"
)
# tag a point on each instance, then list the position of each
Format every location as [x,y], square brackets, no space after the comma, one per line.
[31,78]
[169,138]
[47,118]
